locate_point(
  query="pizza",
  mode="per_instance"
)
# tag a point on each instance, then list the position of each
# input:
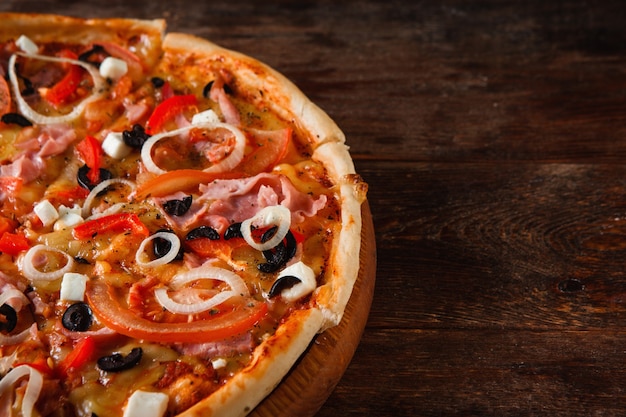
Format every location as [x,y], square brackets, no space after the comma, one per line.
[177,221]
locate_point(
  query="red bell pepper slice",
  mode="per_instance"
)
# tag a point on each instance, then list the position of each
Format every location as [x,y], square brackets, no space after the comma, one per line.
[13,243]
[115,223]
[167,109]
[81,353]
[90,151]
[63,91]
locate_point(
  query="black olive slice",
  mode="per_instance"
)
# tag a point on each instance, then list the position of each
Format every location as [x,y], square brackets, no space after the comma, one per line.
[78,317]
[233,231]
[283,283]
[10,318]
[118,362]
[203,231]
[207,89]
[278,256]
[16,118]
[177,207]
[161,247]
[84,181]
[136,137]
[157,82]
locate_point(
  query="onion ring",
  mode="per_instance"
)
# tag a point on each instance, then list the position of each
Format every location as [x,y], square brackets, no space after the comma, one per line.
[32,273]
[226,164]
[269,216]
[33,389]
[99,188]
[237,288]
[99,86]
[168,257]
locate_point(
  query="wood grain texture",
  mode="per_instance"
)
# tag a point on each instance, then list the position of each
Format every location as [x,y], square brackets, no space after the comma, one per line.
[492,135]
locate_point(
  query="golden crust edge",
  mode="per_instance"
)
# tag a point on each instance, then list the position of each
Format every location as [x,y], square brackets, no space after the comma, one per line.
[39,26]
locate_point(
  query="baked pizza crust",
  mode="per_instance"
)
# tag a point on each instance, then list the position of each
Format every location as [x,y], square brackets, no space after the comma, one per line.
[275,356]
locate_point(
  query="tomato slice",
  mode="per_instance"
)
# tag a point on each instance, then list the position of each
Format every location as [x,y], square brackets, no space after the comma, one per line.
[103,301]
[180,180]
[270,146]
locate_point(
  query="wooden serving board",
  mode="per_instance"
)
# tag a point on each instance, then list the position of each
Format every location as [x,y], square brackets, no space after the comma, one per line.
[313,378]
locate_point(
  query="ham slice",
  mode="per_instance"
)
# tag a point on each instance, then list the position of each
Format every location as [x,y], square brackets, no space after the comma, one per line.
[224,202]
[240,199]
[30,163]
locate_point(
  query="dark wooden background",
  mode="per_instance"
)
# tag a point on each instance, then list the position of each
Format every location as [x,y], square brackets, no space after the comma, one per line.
[493,136]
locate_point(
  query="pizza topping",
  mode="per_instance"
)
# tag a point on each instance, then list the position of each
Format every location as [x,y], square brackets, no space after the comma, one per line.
[73,286]
[278,256]
[161,247]
[233,231]
[171,252]
[283,283]
[81,353]
[112,223]
[26,44]
[15,118]
[167,109]
[99,87]
[225,164]
[46,212]
[33,388]
[179,180]
[8,319]
[114,145]
[77,317]
[144,403]
[118,363]
[178,207]
[13,243]
[293,289]
[135,137]
[234,320]
[54,261]
[196,304]
[113,68]
[99,189]
[203,232]
[279,216]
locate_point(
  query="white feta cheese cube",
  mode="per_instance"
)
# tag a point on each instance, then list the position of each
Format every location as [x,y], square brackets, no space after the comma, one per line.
[146,404]
[207,116]
[113,68]
[68,217]
[219,363]
[73,286]
[114,145]
[46,212]
[26,45]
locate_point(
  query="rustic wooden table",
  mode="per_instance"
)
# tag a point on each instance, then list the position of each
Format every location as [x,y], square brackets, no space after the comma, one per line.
[493,137]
